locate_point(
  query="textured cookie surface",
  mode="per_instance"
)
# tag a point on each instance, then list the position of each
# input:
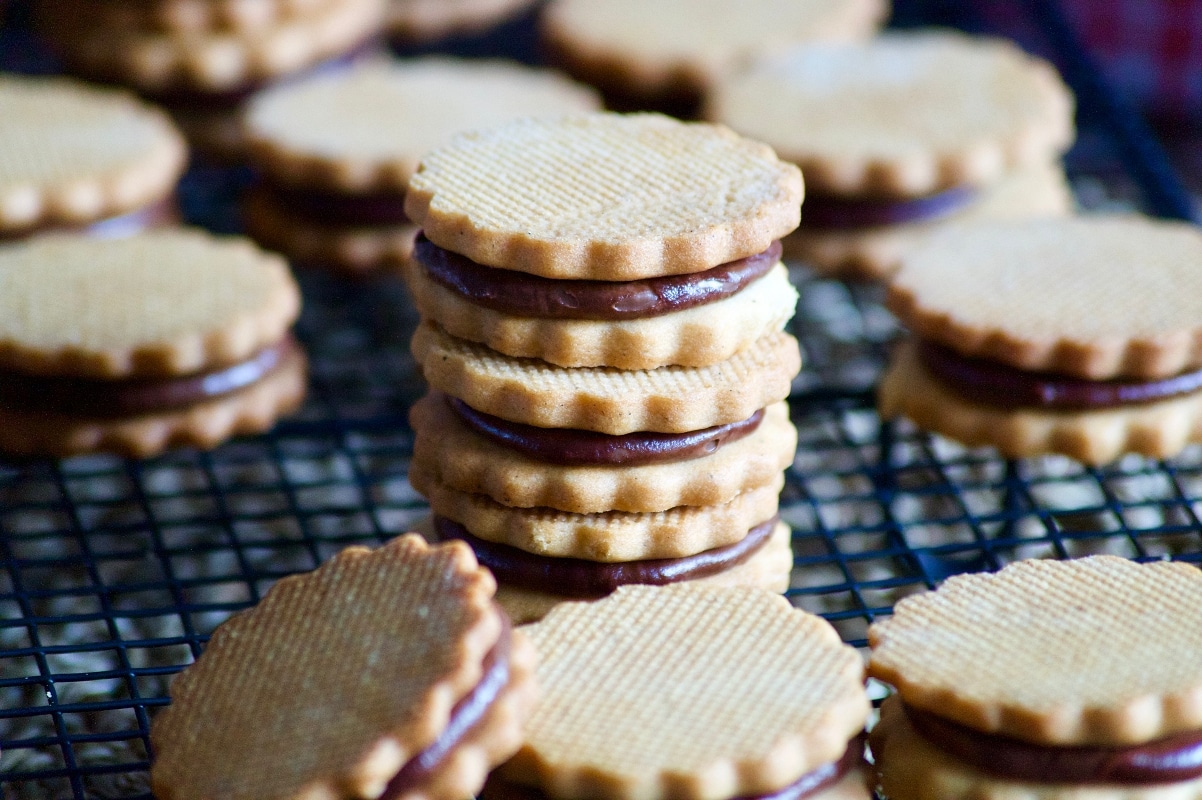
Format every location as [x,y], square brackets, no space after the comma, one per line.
[364,130]
[604,196]
[668,399]
[166,302]
[1093,297]
[698,336]
[70,153]
[1099,650]
[463,459]
[686,692]
[420,20]
[181,16]
[410,624]
[1158,429]
[903,114]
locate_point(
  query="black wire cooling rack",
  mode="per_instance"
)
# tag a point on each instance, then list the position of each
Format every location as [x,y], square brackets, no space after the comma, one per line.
[115,572]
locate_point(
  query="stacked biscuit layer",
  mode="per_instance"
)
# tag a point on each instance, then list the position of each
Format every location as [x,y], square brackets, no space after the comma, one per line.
[202,58]
[603,310]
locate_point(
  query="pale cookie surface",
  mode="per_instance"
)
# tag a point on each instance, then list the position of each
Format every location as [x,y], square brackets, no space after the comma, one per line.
[768,569]
[161,303]
[911,768]
[688,692]
[650,46]
[411,623]
[1094,297]
[422,20]
[903,114]
[608,537]
[463,459]
[1159,429]
[604,196]
[614,401]
[220,61]
[365,129]
[1099,650]
[71,153]
[697,337]
[876,252]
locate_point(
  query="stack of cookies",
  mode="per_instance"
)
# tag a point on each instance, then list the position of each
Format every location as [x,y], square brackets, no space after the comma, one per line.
[603,306]
[203,58]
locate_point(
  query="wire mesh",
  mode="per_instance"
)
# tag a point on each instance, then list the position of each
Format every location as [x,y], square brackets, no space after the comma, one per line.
[115,572]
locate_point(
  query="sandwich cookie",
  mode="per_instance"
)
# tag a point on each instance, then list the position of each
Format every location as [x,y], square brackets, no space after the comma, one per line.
[666,55]
[385,673]
[692,693]
[82,158]
[1074,336]
[415,22]
[138,344]
[903,135]
[1046,680]
[602,332]
[336,152]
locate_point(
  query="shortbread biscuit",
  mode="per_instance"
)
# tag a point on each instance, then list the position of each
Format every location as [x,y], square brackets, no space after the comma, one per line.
[267,710]
[72,154]
[604,197]
[365,129]
[214,62]
[1098,651]
[181,16]
[749,694]
[768,569]
[411,21]
[609,537]
[904,114]
[464,460]
[646,51]
[668,399]
[1096,297]
[875,253]
[698,336]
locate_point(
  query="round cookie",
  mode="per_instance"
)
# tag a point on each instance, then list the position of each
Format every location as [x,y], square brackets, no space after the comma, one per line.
[1048,679]
[668,53]
[136,344]
[604,197]
[418,21]
[441,685]
[1072,336]
[74,155]
[687,692]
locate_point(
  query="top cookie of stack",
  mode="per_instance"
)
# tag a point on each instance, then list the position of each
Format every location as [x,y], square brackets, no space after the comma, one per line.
[603,302]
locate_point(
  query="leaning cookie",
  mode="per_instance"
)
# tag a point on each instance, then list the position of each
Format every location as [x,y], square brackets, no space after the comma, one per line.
[691,693]
[1047,680]
[388,673]
[138,344]
[1076,336]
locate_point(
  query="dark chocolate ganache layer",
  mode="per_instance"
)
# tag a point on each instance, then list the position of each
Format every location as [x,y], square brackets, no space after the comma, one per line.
[98,398]
[465,715]
[576,577]
[834,212]
[526,295]
[156,215]
[807,785]
[570,447]
[337,208]
[1169,760]
[998,384]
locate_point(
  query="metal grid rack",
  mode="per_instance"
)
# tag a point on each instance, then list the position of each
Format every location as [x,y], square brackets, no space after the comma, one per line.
[113,573]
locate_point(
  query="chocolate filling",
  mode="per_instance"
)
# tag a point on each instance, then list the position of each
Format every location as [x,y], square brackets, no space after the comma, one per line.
[526,295]
[465,716]
[576,577]
[161,214]
[1169,760]
[325,207]
[834,212]
[994,383]
[98,398]
[807,785]
[570,447]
